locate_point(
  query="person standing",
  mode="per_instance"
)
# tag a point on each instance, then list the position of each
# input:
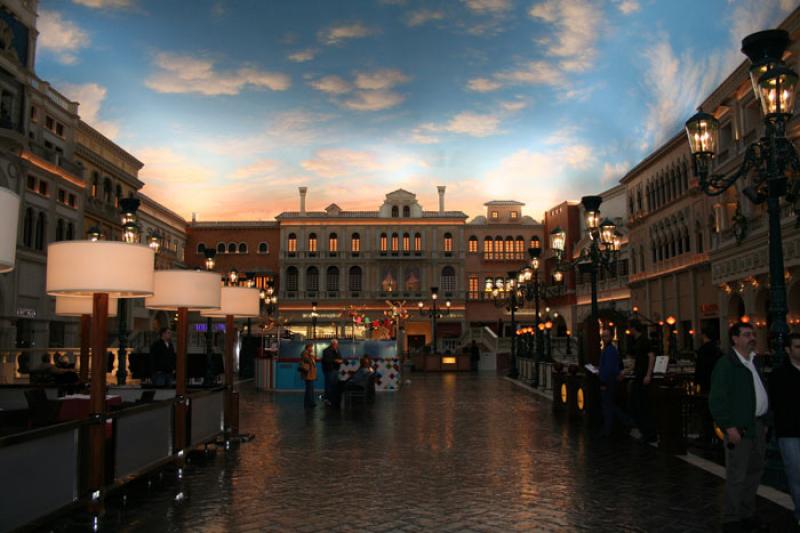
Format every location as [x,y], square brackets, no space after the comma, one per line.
[162,357]
[707,356]
[331,359]
[644,361]
[474,355]
[739,403]
[308,370]
[610,372]
[784,391]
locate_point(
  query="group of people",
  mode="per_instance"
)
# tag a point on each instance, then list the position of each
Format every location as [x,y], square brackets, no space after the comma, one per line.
[331,364]
[742,403]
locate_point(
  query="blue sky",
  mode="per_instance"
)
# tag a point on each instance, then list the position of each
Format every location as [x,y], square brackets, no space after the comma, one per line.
[233,104]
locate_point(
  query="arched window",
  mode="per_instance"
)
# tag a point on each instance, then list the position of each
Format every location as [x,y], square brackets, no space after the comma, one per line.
[231,247]
[333,279]
[383,243]
[406,242]
[395,242]
[60,230]
[312,279]
[95,184]
[333,243]
[472,246]
[312,243]
[473,288]
[641,258]
[687,245]
[417,242]
[519,248]
[654,251]
[221,248]
[673,246]
[355,243]
[27,228]
[291,243]
[70,231]
[406,211]
[509,248]
[291,279]
[107,190]
[355,278]
[448,279]
[263,248]
[447,244]
[395,211]
[488,248]
[201,248]
[242,248]
[41,231]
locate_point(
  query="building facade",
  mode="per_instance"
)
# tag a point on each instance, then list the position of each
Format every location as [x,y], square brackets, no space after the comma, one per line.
[337,264]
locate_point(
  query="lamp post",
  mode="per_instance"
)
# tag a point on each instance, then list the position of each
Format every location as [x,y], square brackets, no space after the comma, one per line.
[434,314]
[182,291]
[601,253]
[771,167]
[504,293]
[671,321]
[313,320]
[130,235]
[210,263]
[98,269]
[234,302]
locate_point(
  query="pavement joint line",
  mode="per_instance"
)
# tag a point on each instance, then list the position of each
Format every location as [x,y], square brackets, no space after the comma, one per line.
[768,493]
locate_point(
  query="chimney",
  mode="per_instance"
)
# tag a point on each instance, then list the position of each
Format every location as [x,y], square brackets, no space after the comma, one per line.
[194,217]
[441,189]
[303,191]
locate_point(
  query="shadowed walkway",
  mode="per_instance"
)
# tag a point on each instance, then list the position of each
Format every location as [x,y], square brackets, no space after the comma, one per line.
[448,452]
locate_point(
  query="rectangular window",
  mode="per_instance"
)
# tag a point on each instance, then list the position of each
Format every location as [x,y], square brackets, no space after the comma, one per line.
[474,291]
[43,188]
[34,114]
[495,215]
[312,244]
[31,183]
[62,196]
[406,243]
[292,245]
[355,244]
[488,249]
[333,244]
[514,215]
[395,242]
[71,200]
[448,243]
[473,246]
[59,129]
[418,243]
[383,243]
[49,123]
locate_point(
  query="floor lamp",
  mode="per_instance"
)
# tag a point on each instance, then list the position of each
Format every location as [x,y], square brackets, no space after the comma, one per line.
[183,291]
[236,302]
[100,269]
[81,306]
[9,220]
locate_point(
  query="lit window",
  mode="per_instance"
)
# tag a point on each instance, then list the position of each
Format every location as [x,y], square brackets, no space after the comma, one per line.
[495,215]
[514,215]
[448,242]
[355,243]
[406,242]
[333,243]
[418,242]
[312,242]
[474,291]
[383,242]
[473,245]
[395,242]
[291,244]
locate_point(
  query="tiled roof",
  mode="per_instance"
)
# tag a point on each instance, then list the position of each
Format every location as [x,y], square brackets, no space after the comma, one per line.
[212,224]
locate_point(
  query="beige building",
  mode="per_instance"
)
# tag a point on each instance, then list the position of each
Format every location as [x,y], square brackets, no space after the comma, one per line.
[359,260]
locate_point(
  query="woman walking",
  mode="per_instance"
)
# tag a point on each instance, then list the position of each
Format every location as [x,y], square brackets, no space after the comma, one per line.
[308,370]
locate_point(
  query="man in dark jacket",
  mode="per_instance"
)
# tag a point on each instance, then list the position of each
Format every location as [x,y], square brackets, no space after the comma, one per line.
[610,373]
[784,390]
[739,404]
[162,357]
[331,359]
[644,361]
[707,356]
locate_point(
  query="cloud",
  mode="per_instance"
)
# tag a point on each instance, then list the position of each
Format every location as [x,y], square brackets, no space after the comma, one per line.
[60,37]
[352,164]
[514,106]
[488,6]
[627,7]
[263,168]
[380,79]
[165,166]
[332,85]
[423,16]
[301,56]
[576,24]
[90,96]
[104,4]
[189,74]
[465,123]
[483,85]
[613,172]
[373,100]
[339,34]
[531,73]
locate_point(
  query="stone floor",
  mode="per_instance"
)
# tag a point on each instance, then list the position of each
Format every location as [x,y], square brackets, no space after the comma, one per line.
[447,453]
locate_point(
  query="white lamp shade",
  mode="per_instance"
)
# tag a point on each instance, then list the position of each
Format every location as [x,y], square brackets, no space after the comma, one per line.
[236,301]
[9,219]
[81,305]
[192,289]
[83,268]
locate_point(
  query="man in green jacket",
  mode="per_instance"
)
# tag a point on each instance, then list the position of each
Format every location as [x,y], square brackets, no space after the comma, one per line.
[738,402]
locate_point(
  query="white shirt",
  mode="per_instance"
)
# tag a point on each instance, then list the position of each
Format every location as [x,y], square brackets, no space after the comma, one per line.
[762,400]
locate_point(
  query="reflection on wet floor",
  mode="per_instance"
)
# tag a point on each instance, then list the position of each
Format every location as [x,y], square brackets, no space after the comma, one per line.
[448,451]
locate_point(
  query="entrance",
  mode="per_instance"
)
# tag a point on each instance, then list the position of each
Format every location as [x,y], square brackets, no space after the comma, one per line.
[416,343]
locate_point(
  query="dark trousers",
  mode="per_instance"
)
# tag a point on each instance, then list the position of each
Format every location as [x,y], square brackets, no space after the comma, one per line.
[331,386]
[611,410]
[640,408]
[308,401]
[744,465]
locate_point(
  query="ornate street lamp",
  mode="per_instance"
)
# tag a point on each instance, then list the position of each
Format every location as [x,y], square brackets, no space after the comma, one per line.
[434,313]
[154,241]
[771,167]
[94,234]
[210,254]
[601,253]
[130,234]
